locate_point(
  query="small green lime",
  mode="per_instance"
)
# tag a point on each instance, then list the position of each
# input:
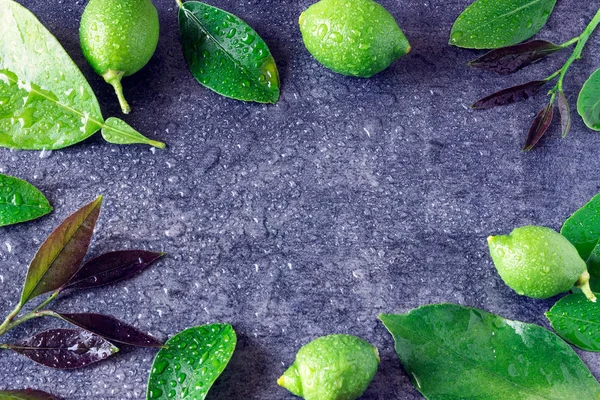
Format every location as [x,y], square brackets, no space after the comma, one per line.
[334,367]
[538,262]
[352,37]
[118,38]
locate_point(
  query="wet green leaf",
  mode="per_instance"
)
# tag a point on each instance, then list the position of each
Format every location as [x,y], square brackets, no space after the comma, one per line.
[119,132]
[456,352]
[490,24]
[577,320]
[20,201]
[193,359]
[60,256]
[588,102]
[226,55]
[26,394]
[583,231]
[45,101]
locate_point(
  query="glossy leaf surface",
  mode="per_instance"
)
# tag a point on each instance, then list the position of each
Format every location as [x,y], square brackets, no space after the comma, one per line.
[540,125]
[565,113]
[583,231]
[490,24]
[456,352]
[507,60]
[119,132]
[577,320]
[111,329]
[509,95]
[46,102]
[226,55]
[588,102]
[26,394]
[193,359]
[60,256]
[112,267]
[20,201]
[65,348]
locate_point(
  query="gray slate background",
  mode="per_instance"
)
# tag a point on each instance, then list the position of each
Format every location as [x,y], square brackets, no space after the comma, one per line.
[347,199]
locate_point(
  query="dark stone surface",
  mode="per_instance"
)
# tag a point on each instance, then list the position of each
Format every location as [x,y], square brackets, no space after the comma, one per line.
[348,198]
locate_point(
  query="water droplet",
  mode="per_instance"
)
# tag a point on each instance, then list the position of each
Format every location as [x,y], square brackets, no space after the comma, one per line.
[231,33]
[155,393]
[322,31]
[529,24]
[336,37]
[455,37]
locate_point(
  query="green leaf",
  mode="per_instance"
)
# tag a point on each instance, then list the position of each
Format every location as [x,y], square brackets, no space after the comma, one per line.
[60,256]
[456,352]
[490,24]
[588,102]
[20,201]
[193,359]
[118,131]
[582,229]
[45,101]
[226,55]
[577,320]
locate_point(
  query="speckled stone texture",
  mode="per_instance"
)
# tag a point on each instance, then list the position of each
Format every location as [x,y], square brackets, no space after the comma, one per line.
[348,198]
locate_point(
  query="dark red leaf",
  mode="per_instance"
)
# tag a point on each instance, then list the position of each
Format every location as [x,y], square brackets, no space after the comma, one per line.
[65,348]
[26,394]
[565,113]
[539,127]
[111,329]
[61,254]
[507,60]
[509,95]
[112,267]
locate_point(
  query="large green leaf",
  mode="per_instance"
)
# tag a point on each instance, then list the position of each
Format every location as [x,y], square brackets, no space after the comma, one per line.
[588,102]
[226,55]
[26,394]
[456,352]
[60,256]
[190,362]
[583,231]
[490,24]
[577,320]
[20,201]
[45,101]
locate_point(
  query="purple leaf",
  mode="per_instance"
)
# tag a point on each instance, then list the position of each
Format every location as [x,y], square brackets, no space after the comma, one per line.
[26,394]
[539,127]
[509,95]
[565,113]
[112,267]
[61,254]
[111,329]
[507,60]
[65,348]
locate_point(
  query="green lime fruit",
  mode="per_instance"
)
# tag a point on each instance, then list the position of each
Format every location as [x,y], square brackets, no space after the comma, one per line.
[538,262]
[118,38]
[334,367]
[352,37]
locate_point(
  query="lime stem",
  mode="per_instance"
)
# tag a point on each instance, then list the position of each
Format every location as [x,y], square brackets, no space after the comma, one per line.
[570,42]
[179,3]
[114,78]
[6,325]
[583,283]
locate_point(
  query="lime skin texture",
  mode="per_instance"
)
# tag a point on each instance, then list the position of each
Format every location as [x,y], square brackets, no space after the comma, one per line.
[334,367]
[538,262]
[118,38]
[352,37]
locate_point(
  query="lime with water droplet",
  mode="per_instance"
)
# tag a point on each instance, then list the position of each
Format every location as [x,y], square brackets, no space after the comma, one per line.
[352,37]
[118,38]
[334,367]
[538,262]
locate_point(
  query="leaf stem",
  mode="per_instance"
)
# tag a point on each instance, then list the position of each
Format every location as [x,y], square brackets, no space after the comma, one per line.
[47,301]
[570,42]
[5,326]
[179,3]
[581,41]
